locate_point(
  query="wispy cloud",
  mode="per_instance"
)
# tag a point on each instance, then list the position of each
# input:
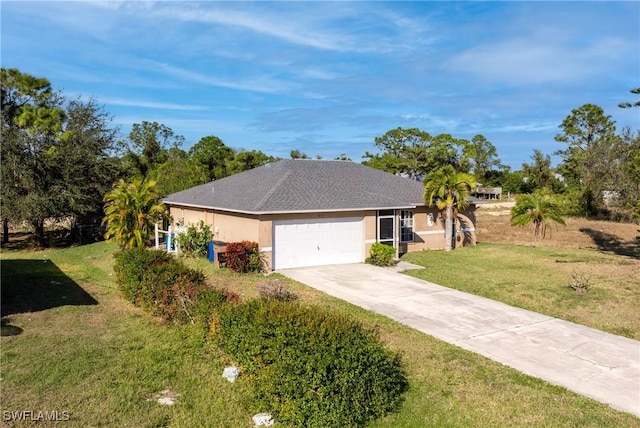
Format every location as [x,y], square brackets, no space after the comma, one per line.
[261,20]
[524,60]
[252,83]
[128,102]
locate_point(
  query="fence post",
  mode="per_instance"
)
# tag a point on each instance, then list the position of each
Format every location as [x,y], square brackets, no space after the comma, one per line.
[157,237]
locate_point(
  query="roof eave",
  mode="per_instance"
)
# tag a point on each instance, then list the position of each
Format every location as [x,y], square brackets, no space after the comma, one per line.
[391,207]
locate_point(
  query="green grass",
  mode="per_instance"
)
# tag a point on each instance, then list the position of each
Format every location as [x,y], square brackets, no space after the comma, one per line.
[102,360]
[538,279]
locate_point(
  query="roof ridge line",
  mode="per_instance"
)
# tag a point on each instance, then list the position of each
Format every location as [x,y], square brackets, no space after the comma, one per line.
[267,195]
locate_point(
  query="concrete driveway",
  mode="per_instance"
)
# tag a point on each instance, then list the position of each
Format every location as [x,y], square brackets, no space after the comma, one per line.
[590,362]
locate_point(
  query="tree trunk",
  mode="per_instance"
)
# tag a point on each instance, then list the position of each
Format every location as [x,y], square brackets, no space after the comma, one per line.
[448,227]
[5,231]
[74,231]
[39,238]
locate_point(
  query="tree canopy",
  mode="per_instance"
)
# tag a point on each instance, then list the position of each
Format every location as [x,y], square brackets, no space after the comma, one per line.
[56,154]
[635,91]
[213,156]
[148,146]
[482,156]
[414,153]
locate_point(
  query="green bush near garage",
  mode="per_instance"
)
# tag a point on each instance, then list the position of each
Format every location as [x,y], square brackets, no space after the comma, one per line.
[381,254]
[309,366]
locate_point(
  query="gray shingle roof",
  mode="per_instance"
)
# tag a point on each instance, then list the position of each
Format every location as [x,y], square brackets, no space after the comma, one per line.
[302,185]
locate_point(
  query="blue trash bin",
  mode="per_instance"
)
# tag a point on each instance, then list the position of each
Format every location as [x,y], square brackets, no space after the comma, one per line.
[211,252]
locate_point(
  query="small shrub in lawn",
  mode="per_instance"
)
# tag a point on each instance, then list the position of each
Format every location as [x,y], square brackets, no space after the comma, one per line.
[580,282]
[276,289]
[312,367]
[195,240]
[244,257]
[159,283]
[381,254]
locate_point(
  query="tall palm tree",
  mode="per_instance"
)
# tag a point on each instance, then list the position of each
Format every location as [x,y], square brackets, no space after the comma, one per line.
[538,208]
[448,189]
[131,209]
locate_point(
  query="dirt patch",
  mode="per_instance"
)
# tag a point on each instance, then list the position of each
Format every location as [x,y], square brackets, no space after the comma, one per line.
[617,238]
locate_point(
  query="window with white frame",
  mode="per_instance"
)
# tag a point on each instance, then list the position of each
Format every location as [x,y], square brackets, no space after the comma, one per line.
[406,226]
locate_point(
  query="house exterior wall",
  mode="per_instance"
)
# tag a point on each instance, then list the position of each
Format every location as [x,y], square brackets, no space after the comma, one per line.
[428,230]
[466,227]
[188,216]
[227,227]
[428,226]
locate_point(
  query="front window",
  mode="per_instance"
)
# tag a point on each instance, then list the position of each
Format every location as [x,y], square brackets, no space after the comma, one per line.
[406,226]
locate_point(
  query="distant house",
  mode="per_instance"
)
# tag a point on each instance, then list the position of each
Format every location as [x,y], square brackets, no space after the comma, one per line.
[318,212]
[487,192]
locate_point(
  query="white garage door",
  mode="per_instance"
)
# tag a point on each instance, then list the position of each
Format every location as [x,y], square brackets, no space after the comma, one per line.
[299,243]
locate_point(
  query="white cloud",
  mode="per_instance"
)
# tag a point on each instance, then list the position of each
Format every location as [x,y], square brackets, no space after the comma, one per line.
[128,102]
[285,25]
[252,83]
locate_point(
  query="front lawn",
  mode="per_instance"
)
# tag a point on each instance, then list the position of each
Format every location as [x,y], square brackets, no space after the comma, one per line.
[537,278]
[83,349]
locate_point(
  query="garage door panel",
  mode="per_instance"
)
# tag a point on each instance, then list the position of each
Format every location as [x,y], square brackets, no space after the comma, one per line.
[299,243]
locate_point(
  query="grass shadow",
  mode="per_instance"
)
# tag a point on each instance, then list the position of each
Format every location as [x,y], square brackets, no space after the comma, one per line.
[611,243]
[18,241]
[38,285]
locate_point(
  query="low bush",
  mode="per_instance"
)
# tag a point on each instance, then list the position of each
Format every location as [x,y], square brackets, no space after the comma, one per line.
[580,282]
[244,257]
[195,240]
[381,254]
[276,289]
[312,367]
[160,283]
[209,302]
[132,265]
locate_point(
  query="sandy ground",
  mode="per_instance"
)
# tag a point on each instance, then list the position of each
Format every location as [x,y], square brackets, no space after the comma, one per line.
[493,225]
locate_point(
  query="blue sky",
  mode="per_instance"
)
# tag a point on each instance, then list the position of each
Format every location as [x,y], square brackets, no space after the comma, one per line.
[328,77]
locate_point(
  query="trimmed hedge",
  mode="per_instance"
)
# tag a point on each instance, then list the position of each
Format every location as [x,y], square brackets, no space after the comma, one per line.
[163,285]
[311,367]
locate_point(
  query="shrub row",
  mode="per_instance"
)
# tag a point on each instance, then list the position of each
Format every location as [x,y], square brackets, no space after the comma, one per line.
[311,367]
[163,285]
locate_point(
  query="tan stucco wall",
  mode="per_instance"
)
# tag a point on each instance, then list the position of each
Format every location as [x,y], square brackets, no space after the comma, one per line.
[426,236]
[225,226]
[229,227]
[466,227]
[190,216]
[232,227]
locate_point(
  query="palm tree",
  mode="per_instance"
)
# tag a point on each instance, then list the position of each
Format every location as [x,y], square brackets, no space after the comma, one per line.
[131,210]
[447,189]
[538,208]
